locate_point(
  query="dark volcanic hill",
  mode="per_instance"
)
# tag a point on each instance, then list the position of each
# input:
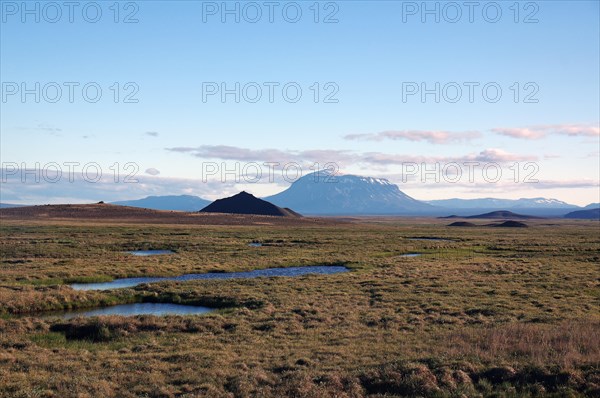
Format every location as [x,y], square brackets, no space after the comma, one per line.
[245,203]
[462,224]
[503,214]
[509,224]
[591,214]
[323,193]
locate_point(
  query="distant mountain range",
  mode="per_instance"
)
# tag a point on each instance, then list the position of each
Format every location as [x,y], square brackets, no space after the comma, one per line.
[172,202]
[8,205]
[589,214]
[491,203]
[323,194]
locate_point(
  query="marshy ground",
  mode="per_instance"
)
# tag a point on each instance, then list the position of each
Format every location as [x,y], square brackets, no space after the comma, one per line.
[481,311]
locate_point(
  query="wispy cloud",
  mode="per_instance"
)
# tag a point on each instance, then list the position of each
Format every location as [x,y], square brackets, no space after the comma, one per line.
[342,157]
[151,133]
[44,127]
[226,152]
[152,171]
[500,186]
[495,155]
[15,189]
[449,137]
[542,131]
[433,137]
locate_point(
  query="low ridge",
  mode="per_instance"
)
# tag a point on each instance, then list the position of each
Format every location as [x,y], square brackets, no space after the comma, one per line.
[503,214]
[589,214]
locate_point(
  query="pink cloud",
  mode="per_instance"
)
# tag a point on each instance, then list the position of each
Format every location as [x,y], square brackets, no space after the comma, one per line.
[433,137]
[494,155]
[343,157]
[537,132]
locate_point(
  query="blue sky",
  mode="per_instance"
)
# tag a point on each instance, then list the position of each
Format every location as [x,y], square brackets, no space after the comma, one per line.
[370,56]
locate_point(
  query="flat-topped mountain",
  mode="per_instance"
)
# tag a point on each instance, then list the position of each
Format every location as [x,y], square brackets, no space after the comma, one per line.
[245,203]
[323,193]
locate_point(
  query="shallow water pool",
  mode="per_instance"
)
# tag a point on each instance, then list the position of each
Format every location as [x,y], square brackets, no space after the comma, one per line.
[264,273]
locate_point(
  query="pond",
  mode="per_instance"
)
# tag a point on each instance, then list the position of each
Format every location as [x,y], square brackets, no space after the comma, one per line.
[264,273]
[410,255]
[255,244]
[158,309]
[145,253]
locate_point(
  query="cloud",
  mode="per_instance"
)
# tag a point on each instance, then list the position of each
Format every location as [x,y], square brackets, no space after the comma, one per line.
[593,154]
[448,137]
[342,158]
[494,155]
[45,127]
[152,171]
[537,132]
[433,137]
[567,184]
[42,127]
[226,152]
[524,133]
[151,133]
[491,155]
[22,188]
[506,184]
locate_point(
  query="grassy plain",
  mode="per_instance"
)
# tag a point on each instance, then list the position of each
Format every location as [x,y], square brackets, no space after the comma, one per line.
[488,312]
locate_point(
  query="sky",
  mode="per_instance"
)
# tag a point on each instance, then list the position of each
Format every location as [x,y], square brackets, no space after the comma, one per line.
[445,99]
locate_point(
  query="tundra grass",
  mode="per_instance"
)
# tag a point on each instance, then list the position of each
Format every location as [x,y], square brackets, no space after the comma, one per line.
[485,312]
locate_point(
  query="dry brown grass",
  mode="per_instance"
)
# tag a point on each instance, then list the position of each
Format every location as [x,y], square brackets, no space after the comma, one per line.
[485,313]
[567,344]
